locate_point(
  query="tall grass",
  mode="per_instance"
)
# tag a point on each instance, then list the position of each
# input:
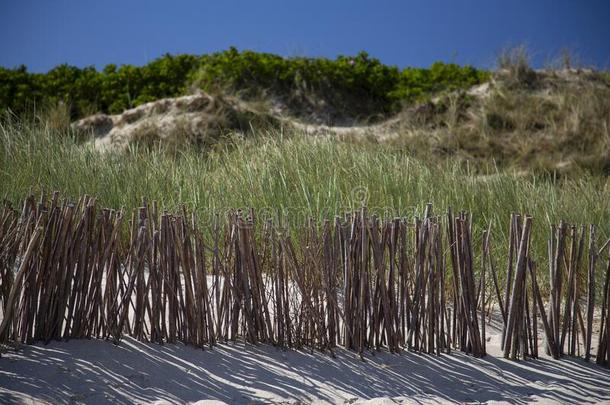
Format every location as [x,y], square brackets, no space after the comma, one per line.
[301,176]
[556,122]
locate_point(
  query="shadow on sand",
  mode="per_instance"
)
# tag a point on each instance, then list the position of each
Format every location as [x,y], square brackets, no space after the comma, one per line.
[96,371]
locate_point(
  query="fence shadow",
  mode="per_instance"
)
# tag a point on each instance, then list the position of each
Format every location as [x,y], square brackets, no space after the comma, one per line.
[96,371]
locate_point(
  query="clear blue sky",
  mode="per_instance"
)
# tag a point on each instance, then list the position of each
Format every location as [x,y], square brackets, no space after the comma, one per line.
[42,34]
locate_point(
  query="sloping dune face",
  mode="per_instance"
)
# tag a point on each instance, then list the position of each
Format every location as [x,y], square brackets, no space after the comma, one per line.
[195,118]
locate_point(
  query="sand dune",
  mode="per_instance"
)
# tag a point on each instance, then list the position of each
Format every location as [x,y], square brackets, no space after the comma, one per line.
[94,371]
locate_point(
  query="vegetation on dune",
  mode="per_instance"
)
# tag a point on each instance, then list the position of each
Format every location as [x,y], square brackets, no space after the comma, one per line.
[86,91]
[298,175]
[358,86]
[551,122]
[526,141]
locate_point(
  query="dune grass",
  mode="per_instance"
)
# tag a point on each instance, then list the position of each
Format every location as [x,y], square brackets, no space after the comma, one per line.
[296,176]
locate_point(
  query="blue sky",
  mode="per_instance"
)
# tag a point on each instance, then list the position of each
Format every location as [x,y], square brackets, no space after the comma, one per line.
[42,34]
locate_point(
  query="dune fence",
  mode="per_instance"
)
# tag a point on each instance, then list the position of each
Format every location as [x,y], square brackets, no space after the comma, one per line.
[358,281]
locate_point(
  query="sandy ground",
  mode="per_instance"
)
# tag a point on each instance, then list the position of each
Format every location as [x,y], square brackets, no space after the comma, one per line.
[94,371]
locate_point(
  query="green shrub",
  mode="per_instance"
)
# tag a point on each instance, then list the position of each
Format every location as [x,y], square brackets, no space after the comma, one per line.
[86,90]
[359,86]
[416,83]
[353,86]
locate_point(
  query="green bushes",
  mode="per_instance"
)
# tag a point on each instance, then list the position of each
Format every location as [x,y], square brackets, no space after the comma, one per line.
[358,86]
[353,86]
[416,83]
[87,91]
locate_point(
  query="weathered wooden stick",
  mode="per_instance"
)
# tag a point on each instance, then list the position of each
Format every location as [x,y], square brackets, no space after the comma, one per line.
[516,291]
[23,269]
[590,291]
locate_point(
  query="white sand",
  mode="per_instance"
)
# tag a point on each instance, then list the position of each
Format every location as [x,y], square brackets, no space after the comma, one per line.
[99,372]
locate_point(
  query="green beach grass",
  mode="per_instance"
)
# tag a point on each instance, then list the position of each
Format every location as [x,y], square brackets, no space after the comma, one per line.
[298,176]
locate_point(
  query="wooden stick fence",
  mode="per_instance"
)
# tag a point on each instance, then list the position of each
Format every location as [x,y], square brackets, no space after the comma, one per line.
[357,281]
